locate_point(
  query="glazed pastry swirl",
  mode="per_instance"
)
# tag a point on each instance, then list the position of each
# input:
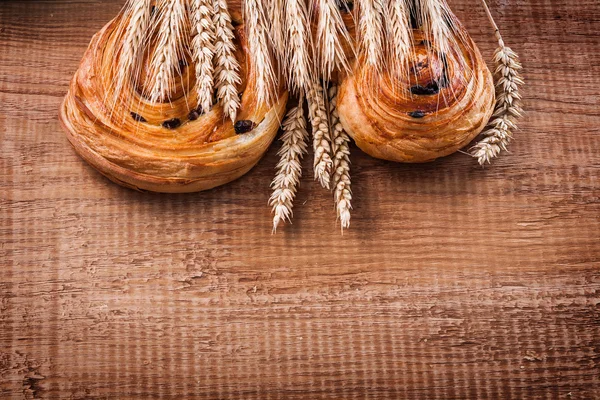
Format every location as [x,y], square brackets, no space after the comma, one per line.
[443,103]
[169,146]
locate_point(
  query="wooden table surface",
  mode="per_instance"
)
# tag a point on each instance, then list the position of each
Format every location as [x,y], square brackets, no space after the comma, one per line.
[453,282]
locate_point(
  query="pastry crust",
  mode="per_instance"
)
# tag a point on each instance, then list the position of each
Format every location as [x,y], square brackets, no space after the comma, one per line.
[125,138]
[443,106]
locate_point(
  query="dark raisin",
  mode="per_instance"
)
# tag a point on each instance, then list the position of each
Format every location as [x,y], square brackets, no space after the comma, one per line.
[193,115]
[153,10]
[417,114]
[244,126]
[172,123]
[428,90]
[425,43]
[183,63]
[137,117]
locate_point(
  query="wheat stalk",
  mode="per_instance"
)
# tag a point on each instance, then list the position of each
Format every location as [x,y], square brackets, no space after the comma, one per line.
[371,28]
[431,15]
[298,45]
[498,133]
[137,14]
[202,50]
[277,31]
[259,53]
[171,20]
[442,28]
[289,168]
[226,65]
[399,35]
[340,142]
[331,33]
[321,135]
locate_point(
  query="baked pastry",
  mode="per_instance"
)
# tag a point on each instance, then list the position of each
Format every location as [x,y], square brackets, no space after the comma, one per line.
[155,104]
[439,107]
[168,144]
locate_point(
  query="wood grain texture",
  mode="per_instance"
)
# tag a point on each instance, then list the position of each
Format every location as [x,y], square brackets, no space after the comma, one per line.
[453,282]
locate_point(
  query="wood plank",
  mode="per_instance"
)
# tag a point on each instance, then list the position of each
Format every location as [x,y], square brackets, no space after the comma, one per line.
[453,282]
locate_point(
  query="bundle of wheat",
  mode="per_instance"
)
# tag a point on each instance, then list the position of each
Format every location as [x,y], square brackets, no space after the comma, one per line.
[403,78]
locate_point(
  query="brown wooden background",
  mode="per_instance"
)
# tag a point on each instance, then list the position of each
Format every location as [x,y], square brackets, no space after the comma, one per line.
[453,282]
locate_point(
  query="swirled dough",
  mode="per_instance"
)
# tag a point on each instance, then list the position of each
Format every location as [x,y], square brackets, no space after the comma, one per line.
[439,107]
[163,147]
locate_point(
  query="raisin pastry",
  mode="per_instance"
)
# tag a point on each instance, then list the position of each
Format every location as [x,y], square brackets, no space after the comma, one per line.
[438,107]
[168,142]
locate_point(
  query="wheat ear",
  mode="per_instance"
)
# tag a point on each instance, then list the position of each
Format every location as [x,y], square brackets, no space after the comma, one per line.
[321,135]
[297,50]
[289,169]
[442,28]
[340,142]
[507,77]
[276,18]
[259,52]
[399,35]
[171,20]
[431,14]
[227,68]
[137,15]
[331,35]
[371,28]
[202,50]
